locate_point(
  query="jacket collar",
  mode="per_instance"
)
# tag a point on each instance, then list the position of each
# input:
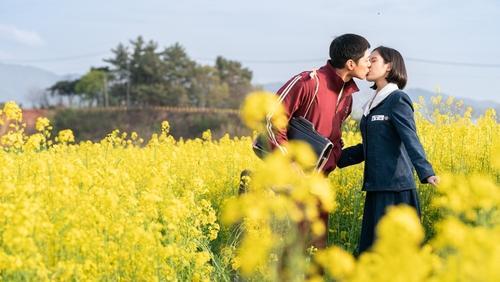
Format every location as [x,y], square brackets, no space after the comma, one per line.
[378,97]
[336,83]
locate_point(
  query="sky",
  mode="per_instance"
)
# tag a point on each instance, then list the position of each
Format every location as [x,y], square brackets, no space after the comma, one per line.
[275,39]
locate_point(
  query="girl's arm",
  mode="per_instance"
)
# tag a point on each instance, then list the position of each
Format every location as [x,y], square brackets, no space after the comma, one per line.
[351,156]
[404,122]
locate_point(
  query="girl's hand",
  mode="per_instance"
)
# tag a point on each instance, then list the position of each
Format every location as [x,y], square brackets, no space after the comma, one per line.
[434,180]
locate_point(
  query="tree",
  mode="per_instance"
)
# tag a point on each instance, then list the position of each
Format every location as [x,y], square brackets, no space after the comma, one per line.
[92,86]
[120,84]
[170,77]
[238,79]
[147,73]
[64,88]
[208,89]
[179,72]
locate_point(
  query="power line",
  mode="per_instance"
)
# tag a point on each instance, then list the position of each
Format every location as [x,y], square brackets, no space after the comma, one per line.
[299,61]
[252,61]
[449,63]
[58,59]
[417,60]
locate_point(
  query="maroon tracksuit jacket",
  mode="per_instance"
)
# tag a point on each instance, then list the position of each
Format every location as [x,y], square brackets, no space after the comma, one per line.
[331,107]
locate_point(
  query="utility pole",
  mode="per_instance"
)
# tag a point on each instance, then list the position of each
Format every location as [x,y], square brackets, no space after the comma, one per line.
[105,90]
[128,85]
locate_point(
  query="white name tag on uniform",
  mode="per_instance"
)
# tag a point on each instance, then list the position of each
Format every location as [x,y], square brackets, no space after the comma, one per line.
[379,117]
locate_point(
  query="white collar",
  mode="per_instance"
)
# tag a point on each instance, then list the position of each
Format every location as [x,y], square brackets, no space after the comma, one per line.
[377,98]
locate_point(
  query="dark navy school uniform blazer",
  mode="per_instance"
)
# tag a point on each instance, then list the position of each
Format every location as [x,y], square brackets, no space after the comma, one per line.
[390,147]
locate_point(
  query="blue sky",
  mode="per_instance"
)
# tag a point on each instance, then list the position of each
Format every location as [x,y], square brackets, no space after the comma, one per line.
[295,33]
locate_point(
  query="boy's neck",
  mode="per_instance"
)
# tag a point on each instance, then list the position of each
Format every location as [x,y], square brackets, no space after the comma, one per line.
[343,74]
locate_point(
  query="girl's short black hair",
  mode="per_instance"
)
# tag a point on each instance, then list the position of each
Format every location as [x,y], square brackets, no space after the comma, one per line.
[397,74]
[347,47]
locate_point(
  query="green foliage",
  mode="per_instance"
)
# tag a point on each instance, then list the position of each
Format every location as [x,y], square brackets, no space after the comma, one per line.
[92,86]
[144,75]
[95,124]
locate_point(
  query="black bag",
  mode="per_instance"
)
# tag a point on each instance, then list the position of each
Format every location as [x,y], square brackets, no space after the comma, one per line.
[299,128]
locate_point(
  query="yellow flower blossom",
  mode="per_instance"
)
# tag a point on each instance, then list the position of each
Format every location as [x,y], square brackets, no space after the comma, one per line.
[42,123]
[12,111]
[258,107]
[66,136]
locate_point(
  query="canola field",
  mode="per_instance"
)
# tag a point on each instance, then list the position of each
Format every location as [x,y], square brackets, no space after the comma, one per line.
[153,208]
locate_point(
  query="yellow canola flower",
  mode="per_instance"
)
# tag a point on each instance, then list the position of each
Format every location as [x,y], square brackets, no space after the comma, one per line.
[13,111]
[495,159]
[165,127]
[401,223]
[339,263]
[396,255]
[34,142]
[42,123]
[467,195]
[258,107]
[251,256]
[66,136]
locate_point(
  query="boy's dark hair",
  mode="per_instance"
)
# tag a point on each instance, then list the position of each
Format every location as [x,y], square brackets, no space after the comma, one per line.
[345,47]
[397,74]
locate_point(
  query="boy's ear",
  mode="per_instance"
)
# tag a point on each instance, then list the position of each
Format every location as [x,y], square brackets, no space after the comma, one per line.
[350,65]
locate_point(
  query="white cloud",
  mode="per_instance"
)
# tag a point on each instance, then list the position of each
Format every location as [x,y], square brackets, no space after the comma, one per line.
[25,37]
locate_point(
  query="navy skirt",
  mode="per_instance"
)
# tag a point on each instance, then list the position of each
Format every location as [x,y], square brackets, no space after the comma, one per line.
[376,203]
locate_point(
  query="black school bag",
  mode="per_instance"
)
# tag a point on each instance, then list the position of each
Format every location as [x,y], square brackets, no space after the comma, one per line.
[299,128]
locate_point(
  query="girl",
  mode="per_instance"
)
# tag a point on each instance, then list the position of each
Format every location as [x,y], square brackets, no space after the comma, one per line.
[391,147]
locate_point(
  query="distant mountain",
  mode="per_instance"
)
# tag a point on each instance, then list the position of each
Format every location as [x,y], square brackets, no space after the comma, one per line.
[24,84]
[272,86]
[478,106]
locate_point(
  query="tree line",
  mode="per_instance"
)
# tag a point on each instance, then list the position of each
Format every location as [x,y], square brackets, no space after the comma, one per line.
[141,74]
